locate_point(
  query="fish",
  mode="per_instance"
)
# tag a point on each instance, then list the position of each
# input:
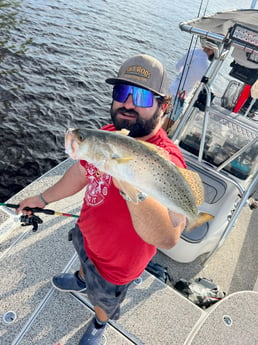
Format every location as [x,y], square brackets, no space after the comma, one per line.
[139,166]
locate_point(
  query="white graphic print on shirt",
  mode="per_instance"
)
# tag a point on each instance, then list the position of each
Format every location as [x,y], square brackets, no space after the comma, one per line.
[97,187]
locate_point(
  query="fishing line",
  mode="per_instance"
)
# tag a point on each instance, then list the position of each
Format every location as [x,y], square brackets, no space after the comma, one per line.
[205,9]
[187,64]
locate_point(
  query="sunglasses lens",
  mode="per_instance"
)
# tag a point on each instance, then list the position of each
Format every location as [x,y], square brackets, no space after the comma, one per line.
[121,92]
[141,97]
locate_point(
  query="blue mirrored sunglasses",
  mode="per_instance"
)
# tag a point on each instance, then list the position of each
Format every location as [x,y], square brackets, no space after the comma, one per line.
[141,97]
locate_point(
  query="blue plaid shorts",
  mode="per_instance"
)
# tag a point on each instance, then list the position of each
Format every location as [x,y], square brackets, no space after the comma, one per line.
[101,293]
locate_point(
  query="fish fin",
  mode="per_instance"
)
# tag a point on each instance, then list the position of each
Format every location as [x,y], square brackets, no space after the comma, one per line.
[203,218]
[195,183]
[123,131]
[130,191]
[122,160]
[159,150]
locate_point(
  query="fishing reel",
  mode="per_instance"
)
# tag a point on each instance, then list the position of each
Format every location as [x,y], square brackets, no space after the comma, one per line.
[31,220]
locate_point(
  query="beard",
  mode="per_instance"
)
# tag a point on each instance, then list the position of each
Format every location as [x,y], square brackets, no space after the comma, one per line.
[139,127]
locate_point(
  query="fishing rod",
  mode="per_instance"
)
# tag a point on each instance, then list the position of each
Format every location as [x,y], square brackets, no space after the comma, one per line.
[33,219]
[40,210]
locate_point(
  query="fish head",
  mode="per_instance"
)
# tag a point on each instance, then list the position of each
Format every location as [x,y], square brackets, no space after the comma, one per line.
[87,144]
[73,140]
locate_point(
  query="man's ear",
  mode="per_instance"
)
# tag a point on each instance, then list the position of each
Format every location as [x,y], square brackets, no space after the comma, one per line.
[164,107]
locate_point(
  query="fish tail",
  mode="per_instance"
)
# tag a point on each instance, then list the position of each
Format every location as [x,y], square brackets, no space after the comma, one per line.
[202,219]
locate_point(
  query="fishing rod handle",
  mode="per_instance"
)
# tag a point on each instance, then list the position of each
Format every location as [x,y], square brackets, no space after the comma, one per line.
[10,205]
[39,210]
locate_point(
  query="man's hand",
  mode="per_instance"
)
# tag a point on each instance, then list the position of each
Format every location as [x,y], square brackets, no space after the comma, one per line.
[33,201]
[177,219]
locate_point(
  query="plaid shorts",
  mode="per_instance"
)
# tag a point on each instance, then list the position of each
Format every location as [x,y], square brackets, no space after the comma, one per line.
[101,293]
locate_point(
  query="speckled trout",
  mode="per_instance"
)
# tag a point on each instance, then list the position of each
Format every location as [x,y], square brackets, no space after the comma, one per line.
[140,166]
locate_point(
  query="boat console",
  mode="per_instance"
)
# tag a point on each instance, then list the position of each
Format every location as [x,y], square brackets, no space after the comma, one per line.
[226,165]
[227,136]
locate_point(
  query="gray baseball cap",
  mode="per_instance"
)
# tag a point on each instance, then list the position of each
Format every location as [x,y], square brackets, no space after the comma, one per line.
[143,71]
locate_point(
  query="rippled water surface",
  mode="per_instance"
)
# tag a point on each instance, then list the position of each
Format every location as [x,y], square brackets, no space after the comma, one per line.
[58,81]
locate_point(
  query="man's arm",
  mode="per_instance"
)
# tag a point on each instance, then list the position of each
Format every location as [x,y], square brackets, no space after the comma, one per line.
[155,224]
[72,182]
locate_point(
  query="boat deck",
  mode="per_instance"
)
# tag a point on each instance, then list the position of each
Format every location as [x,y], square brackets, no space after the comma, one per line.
[153,312]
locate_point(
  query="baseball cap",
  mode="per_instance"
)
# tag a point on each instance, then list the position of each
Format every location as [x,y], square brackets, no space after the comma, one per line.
[144,71]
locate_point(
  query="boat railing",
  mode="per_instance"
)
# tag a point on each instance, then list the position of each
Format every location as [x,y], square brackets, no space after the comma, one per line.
[206,81]
[184,26]
[235,215]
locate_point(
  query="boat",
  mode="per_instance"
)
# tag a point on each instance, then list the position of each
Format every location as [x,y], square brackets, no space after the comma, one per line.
[218,143]
[219,140]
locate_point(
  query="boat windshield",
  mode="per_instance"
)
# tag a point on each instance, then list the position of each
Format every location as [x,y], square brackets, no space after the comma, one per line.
[230,145]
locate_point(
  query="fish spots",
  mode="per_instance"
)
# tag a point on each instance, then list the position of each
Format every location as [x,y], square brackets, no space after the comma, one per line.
[146,170]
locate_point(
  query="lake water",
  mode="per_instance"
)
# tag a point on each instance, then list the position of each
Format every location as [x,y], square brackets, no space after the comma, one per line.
[58,82]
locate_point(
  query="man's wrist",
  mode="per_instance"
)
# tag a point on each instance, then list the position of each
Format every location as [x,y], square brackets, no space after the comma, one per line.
[42,199]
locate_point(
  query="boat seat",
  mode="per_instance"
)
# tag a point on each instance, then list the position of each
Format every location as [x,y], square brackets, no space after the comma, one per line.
[232,320]
[215,190]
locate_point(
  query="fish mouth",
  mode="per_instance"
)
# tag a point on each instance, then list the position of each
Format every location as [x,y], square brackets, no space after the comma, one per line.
[71,143]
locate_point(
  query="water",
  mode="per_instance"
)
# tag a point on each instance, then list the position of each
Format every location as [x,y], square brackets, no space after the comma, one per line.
[58,81]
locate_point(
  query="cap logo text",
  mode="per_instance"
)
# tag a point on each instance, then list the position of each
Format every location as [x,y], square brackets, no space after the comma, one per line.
[138,70]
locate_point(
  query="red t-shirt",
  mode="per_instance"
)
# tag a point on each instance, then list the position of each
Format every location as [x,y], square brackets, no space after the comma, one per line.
[111,243]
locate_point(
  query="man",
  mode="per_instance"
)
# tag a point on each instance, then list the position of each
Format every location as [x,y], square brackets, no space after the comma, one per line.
[191,67]
[115,238]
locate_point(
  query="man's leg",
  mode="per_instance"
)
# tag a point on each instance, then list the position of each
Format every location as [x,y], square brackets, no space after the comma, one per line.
[73,282]
[95,329]
[100,314]
[70,282]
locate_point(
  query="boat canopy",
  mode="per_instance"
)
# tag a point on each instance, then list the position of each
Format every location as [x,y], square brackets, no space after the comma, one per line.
[237,29]
[218,127]
[218,25]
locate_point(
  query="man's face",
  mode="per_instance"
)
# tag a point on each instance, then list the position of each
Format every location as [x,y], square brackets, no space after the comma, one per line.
[138,120]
